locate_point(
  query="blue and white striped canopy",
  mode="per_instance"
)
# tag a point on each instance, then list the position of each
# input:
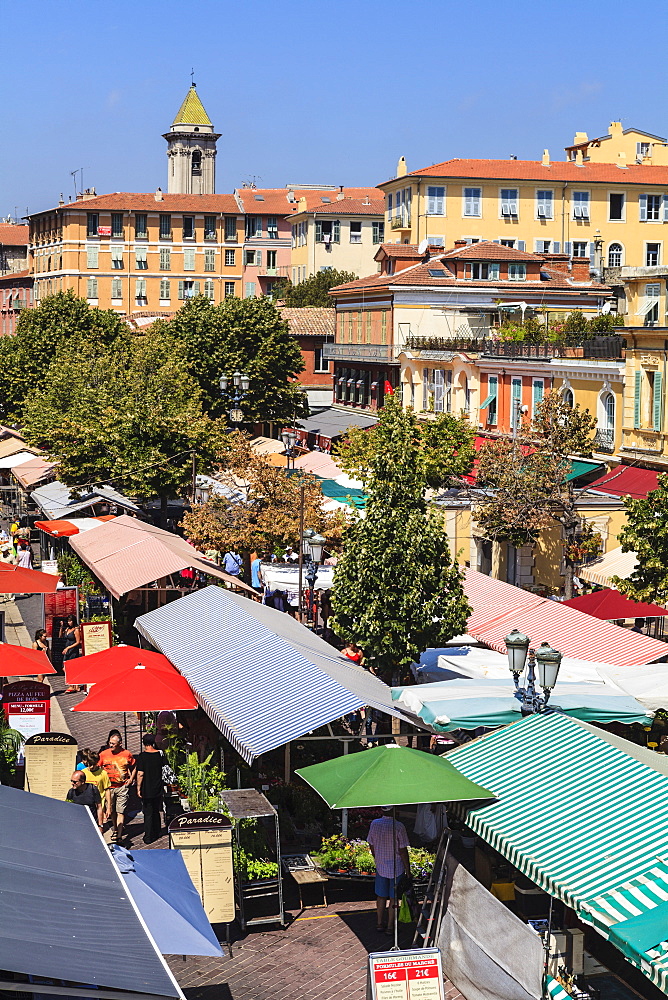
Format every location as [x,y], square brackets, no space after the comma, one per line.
[262,677]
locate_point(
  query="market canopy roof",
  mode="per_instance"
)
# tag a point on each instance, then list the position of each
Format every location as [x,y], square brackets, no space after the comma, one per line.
[20,458]
[33,472]
[262,677]
[499,607]
[610,605]
[334,423]
[72,526]
[470,703]
[580,817]
[126,553]
[613,563]
[58,501]
[580,467]
[60,885]
[627,480]
[647,684]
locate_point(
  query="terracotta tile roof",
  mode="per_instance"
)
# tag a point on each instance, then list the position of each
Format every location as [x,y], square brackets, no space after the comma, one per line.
[310,321]
[533,170]
[141,202]
[14,235]
[266,201]
[314,199]
[10,275]
[487,250]
[352,206]
[400,250]
[192,110]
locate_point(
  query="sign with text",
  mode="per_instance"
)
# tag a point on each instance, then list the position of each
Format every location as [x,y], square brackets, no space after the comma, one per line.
[95,637]
[57,607]
[205,842]
[26,706]
[406,975]
[50,760]
[104,230]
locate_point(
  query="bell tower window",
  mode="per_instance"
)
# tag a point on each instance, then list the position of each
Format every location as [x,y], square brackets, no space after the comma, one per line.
[197,162]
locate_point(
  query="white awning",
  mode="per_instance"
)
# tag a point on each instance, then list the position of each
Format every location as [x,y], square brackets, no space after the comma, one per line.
[613,563]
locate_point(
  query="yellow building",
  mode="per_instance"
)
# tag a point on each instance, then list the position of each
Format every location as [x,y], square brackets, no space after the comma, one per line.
[340,228]
[625,145]
[596,385]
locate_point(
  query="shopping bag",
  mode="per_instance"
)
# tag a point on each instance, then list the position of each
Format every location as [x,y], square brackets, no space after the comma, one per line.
[405,915]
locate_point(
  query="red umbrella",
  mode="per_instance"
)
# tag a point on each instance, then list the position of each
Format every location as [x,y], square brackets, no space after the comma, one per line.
[140,690]
[610,605]
[17,661]
[111,662]
[17,580]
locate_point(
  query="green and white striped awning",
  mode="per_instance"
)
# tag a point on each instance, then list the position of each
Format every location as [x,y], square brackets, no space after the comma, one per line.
[584,820]
[555,990]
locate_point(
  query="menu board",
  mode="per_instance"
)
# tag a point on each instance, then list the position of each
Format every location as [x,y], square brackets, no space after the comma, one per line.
[50,760]
[95,636]
[27,706]
[406,975]
[57,608]
[205,842]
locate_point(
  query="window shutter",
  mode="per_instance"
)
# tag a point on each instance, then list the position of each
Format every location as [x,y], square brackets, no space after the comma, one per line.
[258,258]
[425,388]
[636,399]
[196,287]
[181,290]
[538,246]
[665,207]
[567,247]
[91,257]
[537,394]
[336,231]
[592,254]
[642,201]
[657,401]
[318,231]
[556,247]
[521,245]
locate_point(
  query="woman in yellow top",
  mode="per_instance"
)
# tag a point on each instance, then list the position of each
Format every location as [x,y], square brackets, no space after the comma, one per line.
[97,775]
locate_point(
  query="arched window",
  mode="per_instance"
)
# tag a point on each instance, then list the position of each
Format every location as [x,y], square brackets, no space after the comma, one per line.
[615,253]
[197,162]
[608,403]
[567,396]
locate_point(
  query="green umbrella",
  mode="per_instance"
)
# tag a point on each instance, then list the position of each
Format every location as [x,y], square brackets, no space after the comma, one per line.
[390,775]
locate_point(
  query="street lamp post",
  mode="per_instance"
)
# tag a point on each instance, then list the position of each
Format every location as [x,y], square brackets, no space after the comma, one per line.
[548,661]
[234,394]
[289,439]
[313,545]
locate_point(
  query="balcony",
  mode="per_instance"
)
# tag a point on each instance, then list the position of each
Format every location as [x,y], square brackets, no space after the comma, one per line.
[402,221]
[281,271]
[357,352]
[657,271]
[19,304]
[609,348]
[642,442]
[166,235]
[604,439]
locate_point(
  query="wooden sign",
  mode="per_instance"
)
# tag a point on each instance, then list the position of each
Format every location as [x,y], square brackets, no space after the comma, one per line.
[50,760]
[95,636]
[406,975]
[205,842]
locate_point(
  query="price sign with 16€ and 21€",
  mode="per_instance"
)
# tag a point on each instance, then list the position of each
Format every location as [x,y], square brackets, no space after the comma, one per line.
[406,975]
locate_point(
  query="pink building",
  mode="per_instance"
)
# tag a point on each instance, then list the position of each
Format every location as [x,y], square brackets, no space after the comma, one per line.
[15,296]
[267,238]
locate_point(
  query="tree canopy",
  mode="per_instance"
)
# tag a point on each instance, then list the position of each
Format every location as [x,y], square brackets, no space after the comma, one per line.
[248,335]
[397,590]
[314,290]
[646,534]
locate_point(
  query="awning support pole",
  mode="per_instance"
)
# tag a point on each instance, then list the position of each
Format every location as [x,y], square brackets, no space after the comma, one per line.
[286,775]
[344,812]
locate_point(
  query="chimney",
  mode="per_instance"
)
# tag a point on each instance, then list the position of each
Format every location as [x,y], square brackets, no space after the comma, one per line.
[557,262]
[340,196]
[434,251]
[615,128]
[461,243]
[580,137]
[580,269]
[579,158]
[401,167]
[62,200]
[546,158]
[158,194]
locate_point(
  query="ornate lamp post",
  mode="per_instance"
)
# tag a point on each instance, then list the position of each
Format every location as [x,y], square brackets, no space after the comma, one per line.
[234,395]
[312,545]
[548,661]
[289,439]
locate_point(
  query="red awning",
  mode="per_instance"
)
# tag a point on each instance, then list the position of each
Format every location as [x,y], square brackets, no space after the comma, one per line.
[63,529]
[17,580]
[610,605]
[627,480]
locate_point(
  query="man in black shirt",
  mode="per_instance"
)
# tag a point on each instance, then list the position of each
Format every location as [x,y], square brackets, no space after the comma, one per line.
[83,793]
[149,787]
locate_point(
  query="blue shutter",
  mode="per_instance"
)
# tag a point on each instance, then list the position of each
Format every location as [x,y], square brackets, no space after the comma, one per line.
[636,399]
[665,207]
[592,254]
[521,245]
[567,247]
[642,201]
[556,247]
[657,401]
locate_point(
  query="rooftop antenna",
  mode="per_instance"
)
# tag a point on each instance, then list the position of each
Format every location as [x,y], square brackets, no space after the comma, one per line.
[192,78]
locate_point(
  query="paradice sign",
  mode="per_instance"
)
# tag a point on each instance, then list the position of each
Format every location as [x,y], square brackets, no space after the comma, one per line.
[205,842]
[50,760]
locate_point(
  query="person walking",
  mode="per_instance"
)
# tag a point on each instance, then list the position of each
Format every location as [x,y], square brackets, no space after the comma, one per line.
[96,775]
[84,794]
[388,841]
[41,642]
[25,555]
[232,562]
[149,786]
[71,633]
[119,764]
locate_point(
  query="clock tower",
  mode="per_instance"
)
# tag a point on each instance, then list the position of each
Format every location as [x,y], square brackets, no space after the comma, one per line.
[191,149]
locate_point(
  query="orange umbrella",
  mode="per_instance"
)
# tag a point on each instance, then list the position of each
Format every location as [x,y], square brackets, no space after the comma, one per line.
[111,662]
[17,580]
[141,689]
[17,661]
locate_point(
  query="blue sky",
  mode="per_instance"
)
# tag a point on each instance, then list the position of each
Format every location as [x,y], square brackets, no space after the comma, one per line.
[313,92]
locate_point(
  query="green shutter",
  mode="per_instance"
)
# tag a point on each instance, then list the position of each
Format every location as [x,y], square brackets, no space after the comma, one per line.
[657,401]
[181,290]
[636,399]
[318,231]
[336,231]
[196,287]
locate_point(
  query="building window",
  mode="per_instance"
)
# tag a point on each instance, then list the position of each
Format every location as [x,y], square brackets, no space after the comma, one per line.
[117,258]
[209,227]
[253,226]
[252,258]
[378,229]
[140,289]
[165,259]
[615,255]
[383,327]
[91,288]
[196,162]
[368,327]
[435,201]
[117,288]
[544,200]
[92,224]
[472,202]
[229,289]
[538,389]
[271,260]
[117,224]
[651,304]
[229,258]
[249,290]
[320,363]
[327,232]
[355,232]
[650,207]
[477,271]
[517,272]
[140,259]
[616,201]
[567,397]
[642,149]
[509,200]
[230,227]
[492,392]
[302,234]
[141,230]
[188,289]
[504,243]
[208,289]
[580,248]
[188,227]
[652,254]
[165,290]
[92,256]
[210,261]
[272,227]
[350,327]
[165,227]
[543,246]
[581,205]
[189,259]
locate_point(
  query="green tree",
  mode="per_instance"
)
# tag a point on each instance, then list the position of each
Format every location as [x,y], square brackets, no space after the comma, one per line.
[521,486]
[646,534]
[443,448]
[248,335]
[40,333]
[314,291]
[397,590]
[120,413]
